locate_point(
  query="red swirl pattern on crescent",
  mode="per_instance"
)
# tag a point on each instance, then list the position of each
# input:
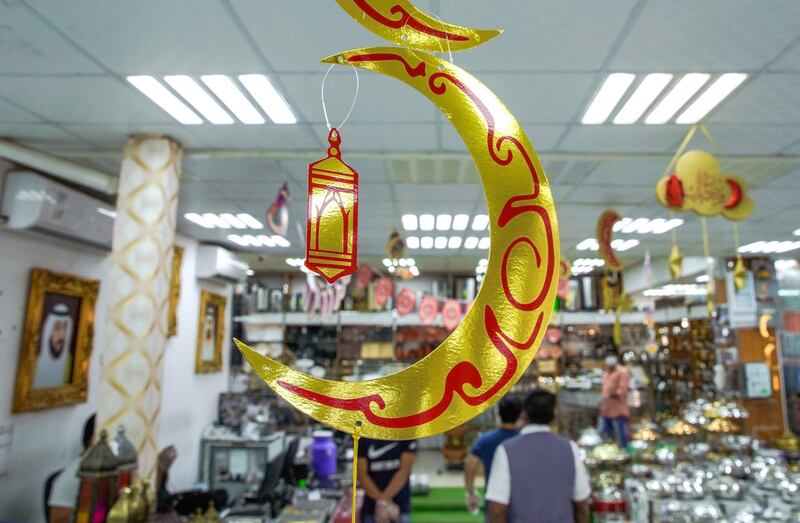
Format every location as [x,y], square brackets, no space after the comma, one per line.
[406,19]
[464,372]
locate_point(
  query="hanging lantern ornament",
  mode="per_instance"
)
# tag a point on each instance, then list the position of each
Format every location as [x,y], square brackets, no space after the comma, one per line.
[99,482]
[332,216]
[395,246]
[127,459]
[278,213]
[675,262]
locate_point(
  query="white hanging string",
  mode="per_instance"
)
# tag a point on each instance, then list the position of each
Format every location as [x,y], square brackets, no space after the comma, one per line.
[322,95]
[447,40]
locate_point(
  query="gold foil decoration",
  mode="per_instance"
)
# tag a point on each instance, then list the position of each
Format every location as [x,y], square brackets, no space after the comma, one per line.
[681,428]
[401,23]
[722,426]
[605,225]
[498,338]
[675,262]
[739,273]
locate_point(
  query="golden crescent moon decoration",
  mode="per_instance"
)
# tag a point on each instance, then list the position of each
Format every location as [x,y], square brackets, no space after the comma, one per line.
[605,229]
[401,23]
[498,338]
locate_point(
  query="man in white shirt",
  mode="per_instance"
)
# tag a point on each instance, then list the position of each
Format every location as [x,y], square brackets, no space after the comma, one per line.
[538,476]
[64,494]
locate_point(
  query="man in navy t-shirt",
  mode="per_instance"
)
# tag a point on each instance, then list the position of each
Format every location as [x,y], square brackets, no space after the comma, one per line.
[383,470]
[508,410]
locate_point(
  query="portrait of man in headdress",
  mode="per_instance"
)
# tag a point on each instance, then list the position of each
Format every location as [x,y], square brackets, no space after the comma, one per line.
[56,342]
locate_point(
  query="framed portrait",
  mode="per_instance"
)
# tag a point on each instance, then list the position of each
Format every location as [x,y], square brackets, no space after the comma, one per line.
[210,332]
[53,368]
[174,291]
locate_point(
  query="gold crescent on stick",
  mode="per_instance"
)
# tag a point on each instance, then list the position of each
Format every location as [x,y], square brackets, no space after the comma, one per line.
[499,336]
[605,227]
[400,22]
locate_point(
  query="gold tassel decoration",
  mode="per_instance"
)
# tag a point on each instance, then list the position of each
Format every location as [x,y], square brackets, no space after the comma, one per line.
[739,273]
[675,262]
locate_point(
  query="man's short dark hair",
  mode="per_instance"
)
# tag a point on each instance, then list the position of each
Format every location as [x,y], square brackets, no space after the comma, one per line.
[509,409]
[540,407]
[88,431]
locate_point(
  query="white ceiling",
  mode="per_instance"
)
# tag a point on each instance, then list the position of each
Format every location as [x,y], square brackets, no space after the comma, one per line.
[62,90]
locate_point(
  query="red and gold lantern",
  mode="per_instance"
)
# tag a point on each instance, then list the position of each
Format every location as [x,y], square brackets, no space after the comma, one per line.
[332,216]
[99,476]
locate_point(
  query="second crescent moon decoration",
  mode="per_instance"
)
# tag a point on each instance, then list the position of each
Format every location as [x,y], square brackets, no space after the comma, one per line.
[498,337]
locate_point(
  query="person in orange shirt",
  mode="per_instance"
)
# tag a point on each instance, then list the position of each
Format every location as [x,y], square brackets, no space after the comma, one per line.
[614,405]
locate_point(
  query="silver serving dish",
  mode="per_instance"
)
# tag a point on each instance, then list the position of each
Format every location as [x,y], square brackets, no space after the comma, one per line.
[734,467]
[590,438]
[674,512]
[727,488]
[750,512]
[689,489]
[698,451]
[770,477]
[639,470]
[736,443]
[790,492]
[665,456]
[693,417]
[657,488]
[706,511]
[774,513]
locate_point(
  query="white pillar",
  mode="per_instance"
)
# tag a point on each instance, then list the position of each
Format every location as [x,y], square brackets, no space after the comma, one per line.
[138,293]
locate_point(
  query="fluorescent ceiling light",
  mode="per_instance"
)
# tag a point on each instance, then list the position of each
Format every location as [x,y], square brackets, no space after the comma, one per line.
[607,98]
[440,242]
[589,244]
[250,221]
[642,97]
[703,278]
[454,242]
[676,98]
[402,262]
[198,220]
[667,225]
[716,92]
[412,242]
[280,241]
[234,222]
[414,270]
[426,222]
[620,224]
[252,240]
[471,242]
[651,225]
[769,247]
[199,98]
[480,222]
[624,245]
[634,225]
[426,242]
[270,100]
[796,232]
[387,262]
[461,221]
[484,243]
[237,239]
[216,221]
[107,212]
[159,94]
[409,222]
[266,240]
[483,262]
[232,97]
[443,222]
[411,262]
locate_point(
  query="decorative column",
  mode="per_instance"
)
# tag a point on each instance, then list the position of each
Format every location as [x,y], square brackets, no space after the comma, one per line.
[138,293]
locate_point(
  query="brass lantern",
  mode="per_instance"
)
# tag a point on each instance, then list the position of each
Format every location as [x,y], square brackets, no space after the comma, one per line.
[99,476]
[126,458]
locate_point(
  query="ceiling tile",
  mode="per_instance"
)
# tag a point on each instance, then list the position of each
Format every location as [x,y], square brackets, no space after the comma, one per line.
[10,113]
[29,46]
[543,137]
[552,35]
[623,138]
[268,136]
[754,139]
[385,137]
[380,99]
[41,133]
[154,37]
[626,174]
[790,61]
[768,98]
[113,136]
[684,35]
[319,29]
[239,169]
[83,99]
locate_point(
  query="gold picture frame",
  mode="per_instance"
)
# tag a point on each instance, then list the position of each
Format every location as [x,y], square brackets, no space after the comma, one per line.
[174,291]
[210,332]
[53,367]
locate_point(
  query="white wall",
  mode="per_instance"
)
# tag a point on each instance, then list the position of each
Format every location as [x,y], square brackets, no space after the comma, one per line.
[44,441]
[189,400]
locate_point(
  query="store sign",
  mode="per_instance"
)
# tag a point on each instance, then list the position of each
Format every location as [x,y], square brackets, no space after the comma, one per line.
[742,306]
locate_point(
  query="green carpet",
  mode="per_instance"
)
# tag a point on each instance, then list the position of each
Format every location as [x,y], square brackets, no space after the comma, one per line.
[442,504]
